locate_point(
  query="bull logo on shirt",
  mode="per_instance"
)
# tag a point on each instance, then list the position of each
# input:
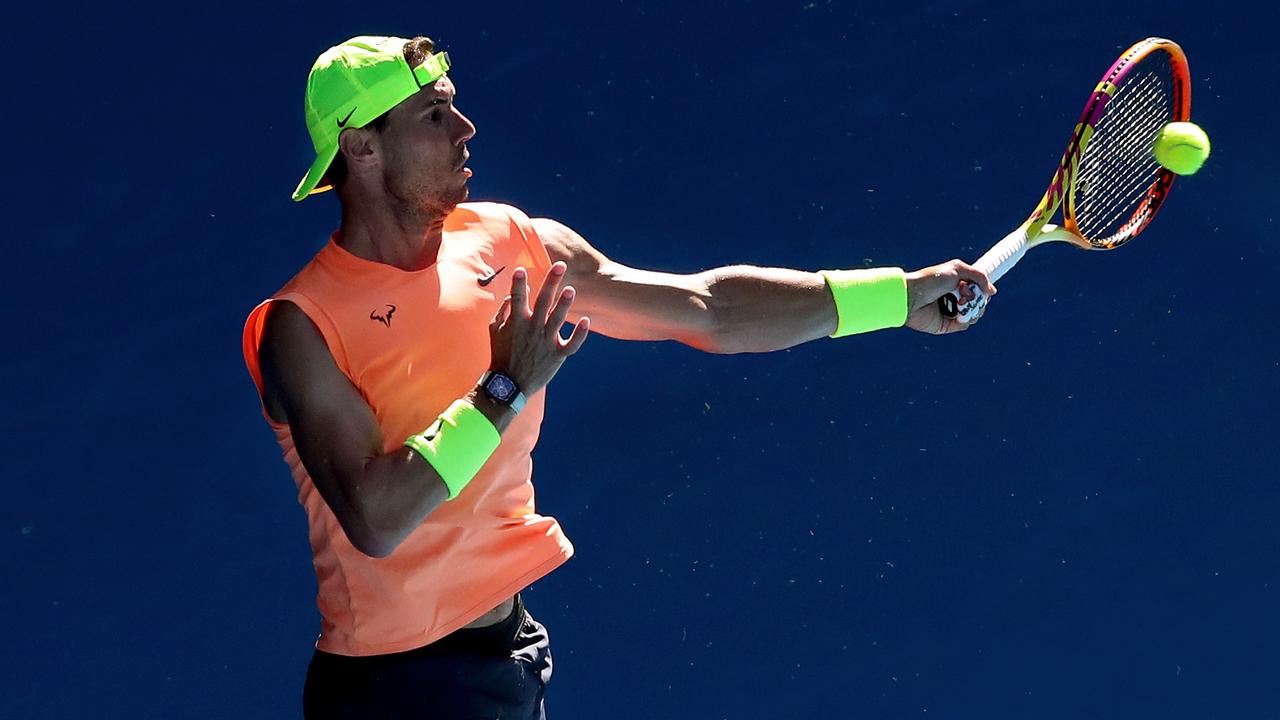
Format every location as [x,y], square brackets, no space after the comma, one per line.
[385,317]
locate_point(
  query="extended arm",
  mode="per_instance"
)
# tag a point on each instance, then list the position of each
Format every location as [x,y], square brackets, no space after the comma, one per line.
[730,309]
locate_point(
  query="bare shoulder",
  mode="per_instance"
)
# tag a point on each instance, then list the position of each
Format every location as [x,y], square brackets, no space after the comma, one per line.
[564,243]
[294,357]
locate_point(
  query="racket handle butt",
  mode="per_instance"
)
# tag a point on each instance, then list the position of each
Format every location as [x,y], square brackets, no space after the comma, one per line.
[950,306]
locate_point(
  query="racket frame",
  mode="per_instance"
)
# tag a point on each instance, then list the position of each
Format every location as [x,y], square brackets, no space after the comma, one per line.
[1035,230]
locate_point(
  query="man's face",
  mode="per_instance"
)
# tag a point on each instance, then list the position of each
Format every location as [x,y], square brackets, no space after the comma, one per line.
[424,150]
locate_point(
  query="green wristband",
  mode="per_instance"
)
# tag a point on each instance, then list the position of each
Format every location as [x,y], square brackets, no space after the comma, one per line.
[866,300]
[457,444]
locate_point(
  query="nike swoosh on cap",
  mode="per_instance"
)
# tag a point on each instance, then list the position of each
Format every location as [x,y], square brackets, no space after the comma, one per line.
[343,121]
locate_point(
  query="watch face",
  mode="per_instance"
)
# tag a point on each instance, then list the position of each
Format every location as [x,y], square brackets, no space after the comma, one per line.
[501,387]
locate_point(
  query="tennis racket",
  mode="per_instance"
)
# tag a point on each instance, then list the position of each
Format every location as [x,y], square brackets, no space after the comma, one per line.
[1108,177]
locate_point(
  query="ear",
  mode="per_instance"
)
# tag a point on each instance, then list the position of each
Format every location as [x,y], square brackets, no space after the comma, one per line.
[357,148]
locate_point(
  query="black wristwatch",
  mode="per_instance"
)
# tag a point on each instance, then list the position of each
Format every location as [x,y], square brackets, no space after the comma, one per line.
[500,387]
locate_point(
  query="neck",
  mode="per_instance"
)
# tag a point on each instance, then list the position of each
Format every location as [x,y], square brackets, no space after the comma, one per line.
[404,237]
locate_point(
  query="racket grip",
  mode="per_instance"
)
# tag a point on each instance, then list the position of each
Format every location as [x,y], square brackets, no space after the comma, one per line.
[951,306]
[995,263]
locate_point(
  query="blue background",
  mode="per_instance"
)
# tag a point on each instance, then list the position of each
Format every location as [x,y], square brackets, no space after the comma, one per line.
[1066,512]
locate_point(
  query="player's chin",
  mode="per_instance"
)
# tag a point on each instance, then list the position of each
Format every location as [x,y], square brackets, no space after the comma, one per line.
[463,190]
[462,196]
[451,198]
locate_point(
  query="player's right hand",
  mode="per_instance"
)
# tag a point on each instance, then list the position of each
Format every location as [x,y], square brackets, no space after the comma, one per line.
[926,285]
[526,342]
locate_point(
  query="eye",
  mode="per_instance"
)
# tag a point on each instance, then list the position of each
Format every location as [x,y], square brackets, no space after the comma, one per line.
[434,117]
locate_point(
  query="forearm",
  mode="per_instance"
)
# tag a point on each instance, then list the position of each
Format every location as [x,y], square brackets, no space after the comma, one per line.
[398,490]
[758,309]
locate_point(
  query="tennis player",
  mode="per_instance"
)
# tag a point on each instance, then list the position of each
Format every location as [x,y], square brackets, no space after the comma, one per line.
[401,370]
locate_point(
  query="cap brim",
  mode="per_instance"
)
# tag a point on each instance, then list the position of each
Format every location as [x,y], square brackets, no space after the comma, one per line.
[309,183]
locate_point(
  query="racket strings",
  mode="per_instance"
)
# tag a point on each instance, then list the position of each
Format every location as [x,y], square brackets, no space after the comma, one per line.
[1118,169]
[1108,188]
[1128,169]
[1130,153]
[1139,111]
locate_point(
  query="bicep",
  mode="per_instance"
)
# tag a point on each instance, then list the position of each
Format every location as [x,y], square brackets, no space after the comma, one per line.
[629,303]
[333,428]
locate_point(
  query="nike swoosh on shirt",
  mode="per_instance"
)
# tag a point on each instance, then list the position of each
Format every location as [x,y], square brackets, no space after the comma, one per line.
[484,281]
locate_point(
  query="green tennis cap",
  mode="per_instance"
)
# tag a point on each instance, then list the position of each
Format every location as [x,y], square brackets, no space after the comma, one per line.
[350,85]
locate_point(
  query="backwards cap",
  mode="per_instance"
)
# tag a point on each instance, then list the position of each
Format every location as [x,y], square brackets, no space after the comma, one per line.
[350,85]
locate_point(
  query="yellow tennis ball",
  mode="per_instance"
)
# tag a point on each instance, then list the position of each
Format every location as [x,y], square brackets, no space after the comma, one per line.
[1181,147]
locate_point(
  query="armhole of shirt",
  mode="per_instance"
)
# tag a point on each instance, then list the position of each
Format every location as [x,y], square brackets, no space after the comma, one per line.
[255,325]
[533,246]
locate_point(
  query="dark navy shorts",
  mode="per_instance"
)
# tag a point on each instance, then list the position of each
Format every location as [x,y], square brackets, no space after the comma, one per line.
[497,671]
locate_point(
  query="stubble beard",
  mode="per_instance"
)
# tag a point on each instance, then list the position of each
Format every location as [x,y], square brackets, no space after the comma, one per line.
[426,201]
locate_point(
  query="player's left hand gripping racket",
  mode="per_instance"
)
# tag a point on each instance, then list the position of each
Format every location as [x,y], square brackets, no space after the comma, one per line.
[1108,177]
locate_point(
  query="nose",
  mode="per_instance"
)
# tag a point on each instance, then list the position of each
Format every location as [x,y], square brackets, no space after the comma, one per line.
[466,128]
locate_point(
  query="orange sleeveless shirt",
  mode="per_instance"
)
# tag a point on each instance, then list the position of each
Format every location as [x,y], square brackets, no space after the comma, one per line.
[412,343]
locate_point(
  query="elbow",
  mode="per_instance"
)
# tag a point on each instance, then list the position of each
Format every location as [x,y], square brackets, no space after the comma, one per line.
[378,513]
[369,537]
[376,548]
[726,327]
[711,330]
[369,543]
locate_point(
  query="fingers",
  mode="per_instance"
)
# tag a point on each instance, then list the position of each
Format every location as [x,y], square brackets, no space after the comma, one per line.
[549,289]
[961,326]
[520,292]
[504,311]
[579,336]
[550,310]
[560,311]
[557,318]
[968,272]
